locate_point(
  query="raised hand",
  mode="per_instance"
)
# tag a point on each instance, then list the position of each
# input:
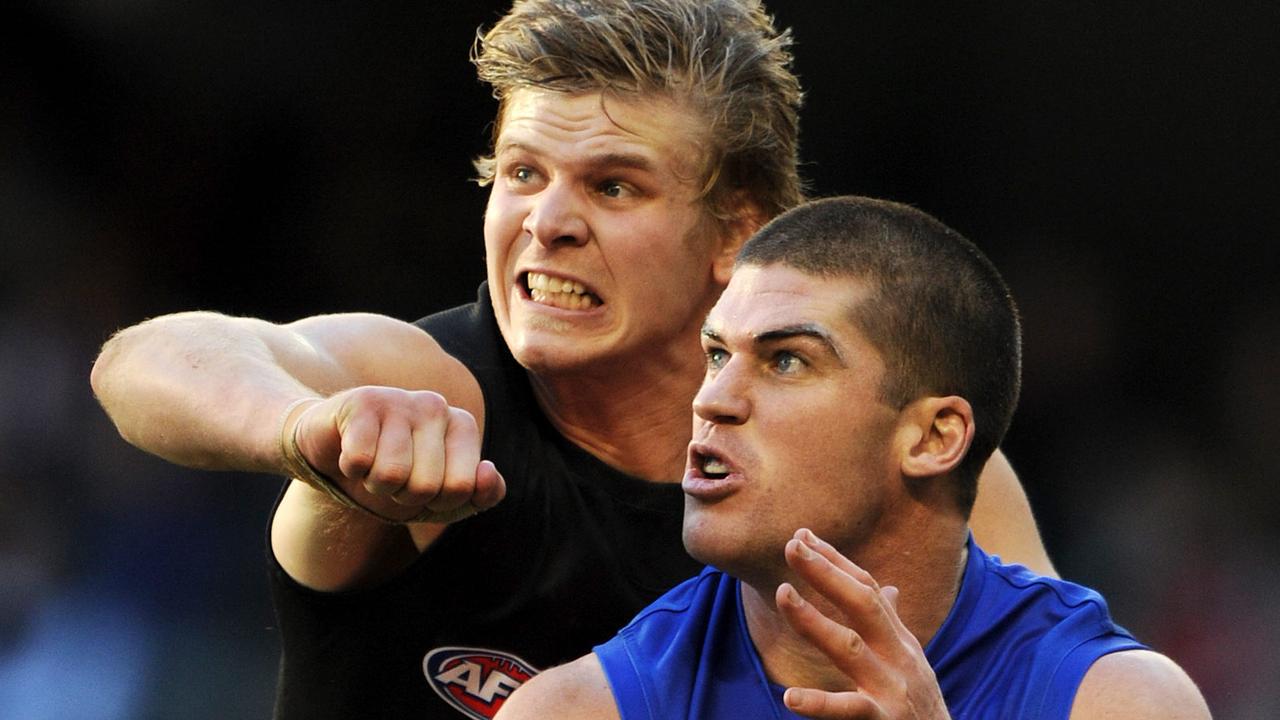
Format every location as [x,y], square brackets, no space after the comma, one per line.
[405,456]
[870,644]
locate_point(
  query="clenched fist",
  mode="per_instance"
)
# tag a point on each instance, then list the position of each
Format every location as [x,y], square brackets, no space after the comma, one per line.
[403,455]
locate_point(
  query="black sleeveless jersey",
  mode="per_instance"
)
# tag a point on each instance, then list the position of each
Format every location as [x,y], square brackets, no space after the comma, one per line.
[564,561]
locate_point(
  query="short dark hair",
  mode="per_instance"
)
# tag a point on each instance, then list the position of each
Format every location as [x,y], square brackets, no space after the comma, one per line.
[722,58]
[939,312]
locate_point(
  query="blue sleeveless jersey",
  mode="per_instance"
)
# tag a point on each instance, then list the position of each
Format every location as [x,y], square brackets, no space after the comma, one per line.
[1015,645]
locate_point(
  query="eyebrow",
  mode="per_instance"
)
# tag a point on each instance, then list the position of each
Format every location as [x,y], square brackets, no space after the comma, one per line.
[595,162]
[786,332]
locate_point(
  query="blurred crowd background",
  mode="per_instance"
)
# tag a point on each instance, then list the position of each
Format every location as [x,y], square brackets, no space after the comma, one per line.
[1119,161]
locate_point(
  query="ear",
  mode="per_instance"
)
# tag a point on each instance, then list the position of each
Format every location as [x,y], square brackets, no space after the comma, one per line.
[934,436]
[747,218]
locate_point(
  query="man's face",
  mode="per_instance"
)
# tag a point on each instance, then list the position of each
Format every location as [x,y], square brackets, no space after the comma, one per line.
[789,429]
[597,244]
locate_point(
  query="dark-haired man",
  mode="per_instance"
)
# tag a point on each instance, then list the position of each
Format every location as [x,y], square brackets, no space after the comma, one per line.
[861,366]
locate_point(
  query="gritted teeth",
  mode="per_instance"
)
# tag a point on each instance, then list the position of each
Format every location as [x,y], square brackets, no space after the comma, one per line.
[550,283]
[559,292]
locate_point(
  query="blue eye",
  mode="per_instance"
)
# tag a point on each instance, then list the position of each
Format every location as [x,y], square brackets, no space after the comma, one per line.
[787,363]
[522,174]
[716,358]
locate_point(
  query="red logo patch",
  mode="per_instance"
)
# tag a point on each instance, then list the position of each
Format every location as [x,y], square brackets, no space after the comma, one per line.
[475,681]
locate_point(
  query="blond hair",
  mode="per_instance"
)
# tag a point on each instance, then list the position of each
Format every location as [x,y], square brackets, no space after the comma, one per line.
[721,58]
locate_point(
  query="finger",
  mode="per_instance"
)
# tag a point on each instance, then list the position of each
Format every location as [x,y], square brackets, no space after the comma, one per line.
[863,596]
[890,595]
[854,594]
[393,461]
[316,436]
[461,461]
[490,486]
[823,705]
[837,558]
[429,421]
[358,444]
[847,650]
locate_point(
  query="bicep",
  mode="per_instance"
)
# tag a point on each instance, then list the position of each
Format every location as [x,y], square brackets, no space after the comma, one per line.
[336,352]
[1002,521]
[576,691]
[1138,684]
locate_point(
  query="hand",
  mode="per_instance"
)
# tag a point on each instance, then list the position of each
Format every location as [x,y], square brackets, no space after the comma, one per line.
[876,651]
[398,452]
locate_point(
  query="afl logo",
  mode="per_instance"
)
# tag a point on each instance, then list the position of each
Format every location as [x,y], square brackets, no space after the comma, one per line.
[475,681]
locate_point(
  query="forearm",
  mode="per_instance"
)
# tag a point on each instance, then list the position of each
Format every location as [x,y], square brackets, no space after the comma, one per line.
[1002,521]
[200,389]
[328,548]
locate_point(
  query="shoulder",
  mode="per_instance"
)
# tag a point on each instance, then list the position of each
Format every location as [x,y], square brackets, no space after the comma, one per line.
[1043,598]
[1138,684]
[695,602]
[1002,520]
[575,691]
[469,330]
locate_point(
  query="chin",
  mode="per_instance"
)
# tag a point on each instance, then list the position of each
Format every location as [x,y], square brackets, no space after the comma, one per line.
[711,545]
[756,558]
[549,362]
[539,351]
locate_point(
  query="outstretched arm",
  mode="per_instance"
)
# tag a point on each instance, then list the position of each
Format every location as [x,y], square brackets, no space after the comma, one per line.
[211,391]
[1002,521]
[207,390]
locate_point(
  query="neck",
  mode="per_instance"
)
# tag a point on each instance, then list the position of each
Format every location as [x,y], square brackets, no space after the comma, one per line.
[635,416]
[926,570]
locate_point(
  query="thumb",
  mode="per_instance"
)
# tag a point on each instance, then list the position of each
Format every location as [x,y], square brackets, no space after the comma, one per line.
[490,486]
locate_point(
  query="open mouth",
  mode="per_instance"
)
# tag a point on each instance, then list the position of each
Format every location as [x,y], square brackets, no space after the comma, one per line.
[709,477]
[559,292]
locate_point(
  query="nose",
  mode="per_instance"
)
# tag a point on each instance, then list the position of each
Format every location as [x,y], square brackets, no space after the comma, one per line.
[724,397]
[556,216]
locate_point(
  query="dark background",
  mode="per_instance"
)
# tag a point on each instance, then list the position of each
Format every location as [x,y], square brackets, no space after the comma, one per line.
[1117,160]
